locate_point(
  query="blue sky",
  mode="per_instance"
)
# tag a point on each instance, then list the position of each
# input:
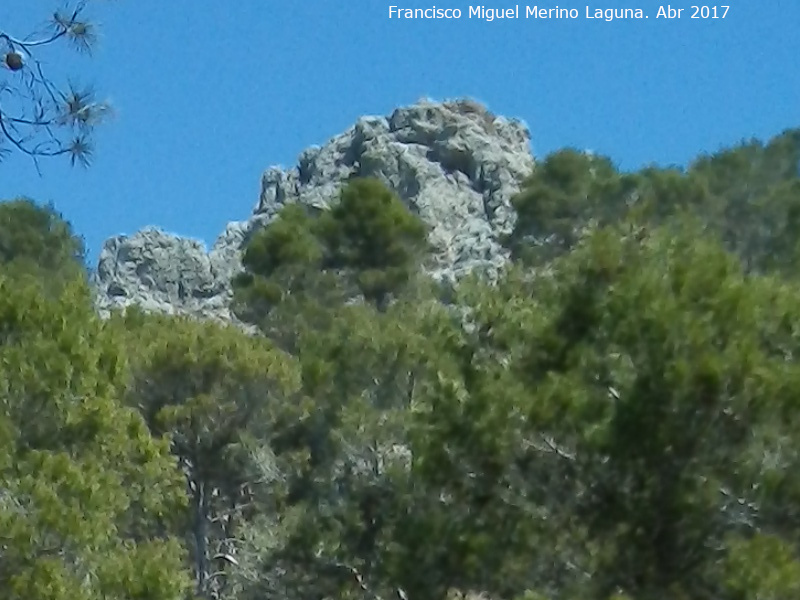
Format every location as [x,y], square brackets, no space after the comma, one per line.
[209,94]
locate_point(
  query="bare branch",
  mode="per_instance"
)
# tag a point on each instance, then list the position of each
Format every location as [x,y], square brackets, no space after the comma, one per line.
[37,118]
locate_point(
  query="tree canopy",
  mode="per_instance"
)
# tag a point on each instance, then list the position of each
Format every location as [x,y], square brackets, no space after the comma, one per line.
[367,244]
[35,234]
[87,494]
[746,194]
[613,418]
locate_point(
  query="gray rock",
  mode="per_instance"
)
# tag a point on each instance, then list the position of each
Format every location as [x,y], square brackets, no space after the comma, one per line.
[454,164]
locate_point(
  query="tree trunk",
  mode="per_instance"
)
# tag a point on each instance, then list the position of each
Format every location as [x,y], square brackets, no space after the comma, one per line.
[200,534]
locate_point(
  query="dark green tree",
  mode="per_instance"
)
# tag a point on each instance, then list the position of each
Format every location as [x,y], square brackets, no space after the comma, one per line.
[36,236]
[371,233]
[282,265]
[620,423]
[368,243]
[753,188]
[744,194]
[566,193]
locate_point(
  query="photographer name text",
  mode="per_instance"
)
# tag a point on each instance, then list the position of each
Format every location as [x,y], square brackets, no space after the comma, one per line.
[485,13]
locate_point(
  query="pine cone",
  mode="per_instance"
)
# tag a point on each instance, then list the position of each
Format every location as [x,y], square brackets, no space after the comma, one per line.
[13,60]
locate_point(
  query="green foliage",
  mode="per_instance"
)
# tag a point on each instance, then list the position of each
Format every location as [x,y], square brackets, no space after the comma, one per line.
[289,242]
[181,365]
[372,232]
[588,430]
[368,241]
[86,491]
[618,407]
[36,238]
[764,566]
[343,450]
[210,390]
[567,190]
[283,269]
[747,195]
[616,423]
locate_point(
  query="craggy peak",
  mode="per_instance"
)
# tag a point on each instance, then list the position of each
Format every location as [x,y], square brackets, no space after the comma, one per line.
[454,164]
[441,351]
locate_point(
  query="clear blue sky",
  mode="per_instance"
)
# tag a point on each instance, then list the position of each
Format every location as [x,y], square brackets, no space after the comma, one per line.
[209,94]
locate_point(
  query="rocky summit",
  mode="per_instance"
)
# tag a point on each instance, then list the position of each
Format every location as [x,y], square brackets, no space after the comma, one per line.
[454,163]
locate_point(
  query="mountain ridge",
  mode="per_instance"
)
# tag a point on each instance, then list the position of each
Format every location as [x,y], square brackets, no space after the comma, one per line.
[454,163]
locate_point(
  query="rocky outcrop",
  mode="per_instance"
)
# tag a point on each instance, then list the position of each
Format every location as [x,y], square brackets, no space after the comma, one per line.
[167,273]
[455,164]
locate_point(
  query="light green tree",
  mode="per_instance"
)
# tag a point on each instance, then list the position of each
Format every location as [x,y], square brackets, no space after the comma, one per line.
[87,496]
[213,392]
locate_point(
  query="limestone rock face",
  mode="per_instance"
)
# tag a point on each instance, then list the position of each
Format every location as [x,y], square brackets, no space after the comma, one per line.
[163,272]
[454,164]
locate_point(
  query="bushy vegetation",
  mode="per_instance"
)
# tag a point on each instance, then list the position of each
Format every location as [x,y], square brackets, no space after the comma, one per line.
[615,418]
[748,196]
